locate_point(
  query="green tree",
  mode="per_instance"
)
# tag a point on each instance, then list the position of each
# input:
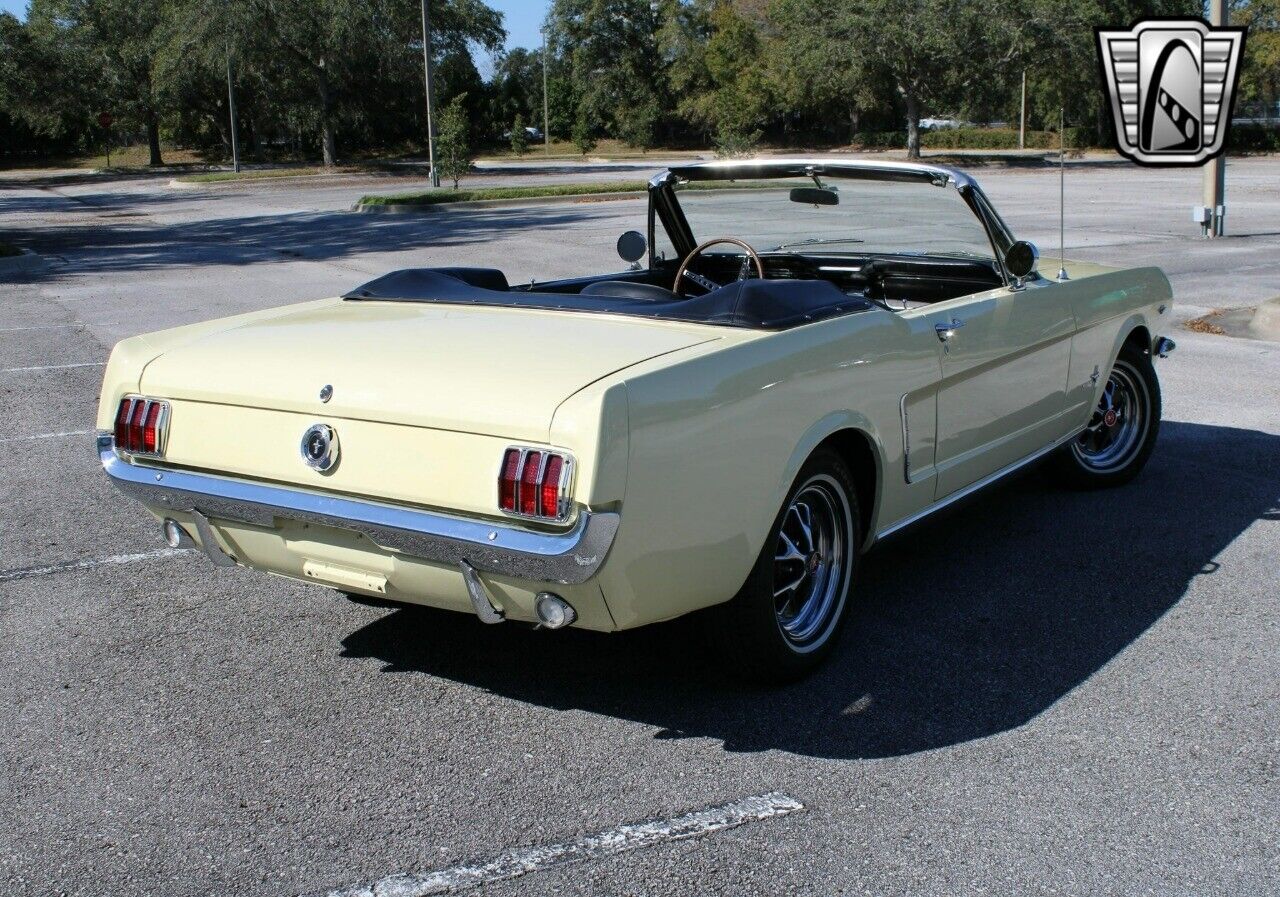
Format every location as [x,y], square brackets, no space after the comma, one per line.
[334,56]
[613,55]
[453,146]
[940,54]
[1260,74]
[519,136]
[117,42]
[816,69]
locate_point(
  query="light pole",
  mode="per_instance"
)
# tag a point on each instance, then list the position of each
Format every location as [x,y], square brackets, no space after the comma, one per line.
[546,106]
[1022,124]
[1215,171]
[426,69]
[231,106]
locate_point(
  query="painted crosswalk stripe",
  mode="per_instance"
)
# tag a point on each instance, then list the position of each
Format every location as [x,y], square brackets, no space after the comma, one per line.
[522,861]
[114,560]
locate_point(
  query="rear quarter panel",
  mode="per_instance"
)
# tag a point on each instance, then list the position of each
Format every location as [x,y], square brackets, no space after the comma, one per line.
[716,441]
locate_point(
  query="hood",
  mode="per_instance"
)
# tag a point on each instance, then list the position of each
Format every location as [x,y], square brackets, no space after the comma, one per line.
[493,371]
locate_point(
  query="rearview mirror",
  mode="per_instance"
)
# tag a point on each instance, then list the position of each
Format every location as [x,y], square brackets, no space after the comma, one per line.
[632,246]
[815,196]
[1021,259]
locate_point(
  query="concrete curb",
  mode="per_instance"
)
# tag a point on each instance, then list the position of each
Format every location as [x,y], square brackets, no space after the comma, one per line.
[1266,321]
[429,208]
[26,262]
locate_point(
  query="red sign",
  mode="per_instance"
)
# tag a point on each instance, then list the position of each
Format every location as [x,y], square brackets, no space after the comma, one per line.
[105,119]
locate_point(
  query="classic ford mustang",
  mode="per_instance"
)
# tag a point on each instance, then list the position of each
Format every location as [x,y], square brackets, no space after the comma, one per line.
[733,422]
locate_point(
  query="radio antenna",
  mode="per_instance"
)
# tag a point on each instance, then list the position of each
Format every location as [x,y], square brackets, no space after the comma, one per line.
[1062,195]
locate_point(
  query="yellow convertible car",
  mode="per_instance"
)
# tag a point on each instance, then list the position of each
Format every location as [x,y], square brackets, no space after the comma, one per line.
[812,355]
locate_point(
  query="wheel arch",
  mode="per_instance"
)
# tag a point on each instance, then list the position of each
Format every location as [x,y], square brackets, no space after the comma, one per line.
[853,438]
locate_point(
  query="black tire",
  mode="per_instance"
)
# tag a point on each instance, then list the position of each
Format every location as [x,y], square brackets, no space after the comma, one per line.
[776,638]
[1122,431]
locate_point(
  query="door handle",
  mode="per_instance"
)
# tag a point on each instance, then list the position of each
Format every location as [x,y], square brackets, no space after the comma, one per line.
[946,331]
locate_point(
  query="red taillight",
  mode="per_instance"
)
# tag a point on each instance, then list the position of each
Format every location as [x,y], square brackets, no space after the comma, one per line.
[549,491]
[150,428]
[139,426]
[135,425]
[507,480]
[122,422]
[529,483]
[533,483]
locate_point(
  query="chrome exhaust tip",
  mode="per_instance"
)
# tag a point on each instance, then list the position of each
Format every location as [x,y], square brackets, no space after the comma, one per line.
[175,536]
[553,611]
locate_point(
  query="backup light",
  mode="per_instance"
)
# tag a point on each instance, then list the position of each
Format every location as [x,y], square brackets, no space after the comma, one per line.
[534,483]
[140,426]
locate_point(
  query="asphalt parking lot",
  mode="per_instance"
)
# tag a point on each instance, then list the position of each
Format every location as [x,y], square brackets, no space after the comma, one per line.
[1042,692]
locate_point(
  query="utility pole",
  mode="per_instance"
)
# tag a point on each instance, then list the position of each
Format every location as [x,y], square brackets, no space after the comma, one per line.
[546,105]
[1215,171]
[231,106]
[426,69]
[1022,127]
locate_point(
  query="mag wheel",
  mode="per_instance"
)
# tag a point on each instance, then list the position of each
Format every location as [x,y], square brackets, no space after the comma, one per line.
[790,611]
[1121,433]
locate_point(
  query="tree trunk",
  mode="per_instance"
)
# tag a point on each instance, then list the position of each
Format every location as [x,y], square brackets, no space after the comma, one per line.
[855,119]
[328,143]
[913,125]
[153,138]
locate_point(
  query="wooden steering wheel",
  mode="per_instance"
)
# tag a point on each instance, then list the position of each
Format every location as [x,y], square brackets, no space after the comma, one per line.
[706,282]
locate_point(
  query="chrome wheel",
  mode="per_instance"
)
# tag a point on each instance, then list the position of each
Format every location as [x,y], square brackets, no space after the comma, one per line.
[810,563]
[1114,435]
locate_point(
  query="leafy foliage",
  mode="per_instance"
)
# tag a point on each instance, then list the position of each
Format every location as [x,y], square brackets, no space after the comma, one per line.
[453,144]
[519,136]
[337,78]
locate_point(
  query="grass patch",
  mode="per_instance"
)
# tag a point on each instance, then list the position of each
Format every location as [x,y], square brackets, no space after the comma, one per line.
[258,174]
[437,197]
[8,250]
[563,149]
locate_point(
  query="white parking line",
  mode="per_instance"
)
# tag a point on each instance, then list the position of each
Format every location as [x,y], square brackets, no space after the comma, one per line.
[42,327]
[114,560]
[57,435]
[514,863]
[54,367]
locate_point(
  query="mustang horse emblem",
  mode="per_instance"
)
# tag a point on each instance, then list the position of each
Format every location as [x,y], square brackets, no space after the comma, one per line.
[320,447]
[1172,85]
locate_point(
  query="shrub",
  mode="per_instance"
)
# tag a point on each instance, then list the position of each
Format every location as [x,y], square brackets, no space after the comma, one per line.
[731,142]
[976,138]
[881,139]
[453,152]
[1253,140]
[583,135]
[519,137]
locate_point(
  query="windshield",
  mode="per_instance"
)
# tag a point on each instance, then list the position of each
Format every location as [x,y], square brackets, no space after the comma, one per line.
[865,217]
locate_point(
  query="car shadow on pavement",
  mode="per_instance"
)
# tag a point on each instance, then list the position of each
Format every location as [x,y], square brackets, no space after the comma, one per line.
[966,627]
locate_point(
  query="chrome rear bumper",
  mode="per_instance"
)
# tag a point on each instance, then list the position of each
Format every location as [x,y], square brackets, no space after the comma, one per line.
[568,557]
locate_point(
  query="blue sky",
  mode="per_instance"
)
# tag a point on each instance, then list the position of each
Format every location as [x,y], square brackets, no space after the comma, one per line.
[523,18]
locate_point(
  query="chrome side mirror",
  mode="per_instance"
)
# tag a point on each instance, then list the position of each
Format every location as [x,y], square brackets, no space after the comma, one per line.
[1020,260]
[632,246]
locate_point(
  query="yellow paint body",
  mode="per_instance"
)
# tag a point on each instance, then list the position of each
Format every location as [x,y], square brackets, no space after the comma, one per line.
[693,433]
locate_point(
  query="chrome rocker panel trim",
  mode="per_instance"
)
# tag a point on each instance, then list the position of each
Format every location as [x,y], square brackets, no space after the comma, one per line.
[981,484]
[568,557]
